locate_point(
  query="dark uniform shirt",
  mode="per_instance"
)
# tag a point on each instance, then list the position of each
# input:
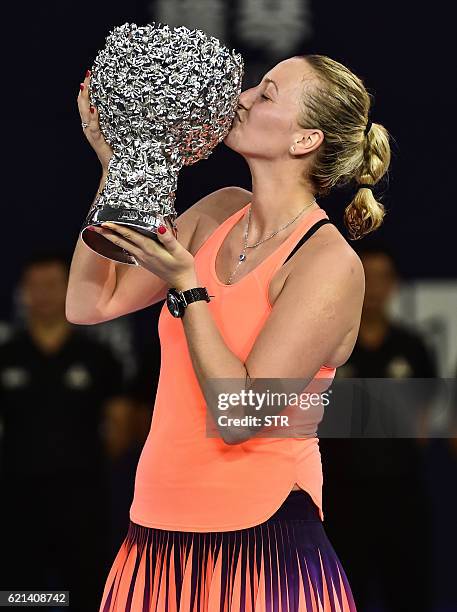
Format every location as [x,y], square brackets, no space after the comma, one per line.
[402,354]
[51,404]
[54,504]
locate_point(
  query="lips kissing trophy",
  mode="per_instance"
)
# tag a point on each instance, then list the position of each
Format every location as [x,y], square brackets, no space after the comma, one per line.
[165,97]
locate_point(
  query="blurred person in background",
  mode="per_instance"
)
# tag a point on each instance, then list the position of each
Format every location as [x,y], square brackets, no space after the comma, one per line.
[54,381]
[384,475]
[385,348]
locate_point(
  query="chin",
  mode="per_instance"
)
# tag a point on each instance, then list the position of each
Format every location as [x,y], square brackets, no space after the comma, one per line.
[228,141]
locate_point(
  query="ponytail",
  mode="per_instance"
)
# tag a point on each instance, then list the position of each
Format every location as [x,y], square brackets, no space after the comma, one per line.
[365,214]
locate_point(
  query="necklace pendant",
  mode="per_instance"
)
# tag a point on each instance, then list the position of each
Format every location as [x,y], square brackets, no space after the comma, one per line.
[242,257]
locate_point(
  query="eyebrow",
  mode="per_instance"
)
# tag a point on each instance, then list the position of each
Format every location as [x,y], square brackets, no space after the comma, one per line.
[271,81]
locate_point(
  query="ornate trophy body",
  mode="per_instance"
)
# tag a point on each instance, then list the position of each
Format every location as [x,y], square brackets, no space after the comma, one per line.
[166,97]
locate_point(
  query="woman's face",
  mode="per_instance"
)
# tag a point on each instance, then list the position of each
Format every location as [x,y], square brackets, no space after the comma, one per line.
[268,127]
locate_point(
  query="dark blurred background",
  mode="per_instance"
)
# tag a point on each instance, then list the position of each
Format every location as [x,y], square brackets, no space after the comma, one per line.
[76,404]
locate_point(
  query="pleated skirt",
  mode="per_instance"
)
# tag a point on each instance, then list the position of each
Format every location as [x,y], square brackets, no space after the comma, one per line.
[286,564]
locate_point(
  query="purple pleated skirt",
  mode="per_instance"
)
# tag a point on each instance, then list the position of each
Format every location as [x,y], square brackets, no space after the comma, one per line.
[285,564]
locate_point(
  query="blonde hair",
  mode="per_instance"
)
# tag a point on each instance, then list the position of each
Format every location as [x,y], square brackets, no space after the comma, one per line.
[337,103]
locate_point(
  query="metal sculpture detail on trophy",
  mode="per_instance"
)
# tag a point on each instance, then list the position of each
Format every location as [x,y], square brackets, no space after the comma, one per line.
[165,97]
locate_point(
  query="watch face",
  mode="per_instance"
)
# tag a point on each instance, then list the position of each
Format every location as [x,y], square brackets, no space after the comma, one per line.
[174,303]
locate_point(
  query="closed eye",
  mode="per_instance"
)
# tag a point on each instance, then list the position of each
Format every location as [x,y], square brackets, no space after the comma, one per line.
[265,97]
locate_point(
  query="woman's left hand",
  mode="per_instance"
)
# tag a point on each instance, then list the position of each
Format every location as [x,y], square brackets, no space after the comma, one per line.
[167,258]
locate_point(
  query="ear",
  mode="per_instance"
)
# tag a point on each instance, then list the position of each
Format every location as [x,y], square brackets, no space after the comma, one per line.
[306,142]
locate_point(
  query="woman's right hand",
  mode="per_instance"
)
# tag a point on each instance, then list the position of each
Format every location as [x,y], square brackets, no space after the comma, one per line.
[89,115]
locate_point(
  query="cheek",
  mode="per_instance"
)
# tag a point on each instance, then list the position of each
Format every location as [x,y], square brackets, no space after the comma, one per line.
[267,114]
[271,123]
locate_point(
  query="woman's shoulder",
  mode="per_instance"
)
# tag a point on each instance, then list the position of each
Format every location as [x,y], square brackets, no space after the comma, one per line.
[329,257]
[329,247]
[223,203]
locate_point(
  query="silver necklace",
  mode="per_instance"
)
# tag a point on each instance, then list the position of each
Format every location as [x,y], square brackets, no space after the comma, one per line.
[242,257]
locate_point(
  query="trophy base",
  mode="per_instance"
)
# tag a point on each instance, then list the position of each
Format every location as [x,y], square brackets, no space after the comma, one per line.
[143,222]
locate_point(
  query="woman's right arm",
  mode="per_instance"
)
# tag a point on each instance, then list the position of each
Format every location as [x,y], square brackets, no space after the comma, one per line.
[100,289]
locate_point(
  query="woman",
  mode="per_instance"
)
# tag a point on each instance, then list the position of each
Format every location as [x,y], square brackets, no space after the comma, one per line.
[235,522]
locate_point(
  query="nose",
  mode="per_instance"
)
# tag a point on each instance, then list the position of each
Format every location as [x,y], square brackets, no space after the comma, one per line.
[243,102]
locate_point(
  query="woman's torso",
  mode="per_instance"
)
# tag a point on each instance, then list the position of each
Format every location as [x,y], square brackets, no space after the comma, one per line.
[187,480]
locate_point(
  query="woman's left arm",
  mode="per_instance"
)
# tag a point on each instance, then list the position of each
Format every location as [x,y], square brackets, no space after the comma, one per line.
[309,321]
[323,304]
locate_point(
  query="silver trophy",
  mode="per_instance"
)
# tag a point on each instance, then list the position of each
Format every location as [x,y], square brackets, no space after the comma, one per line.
[166,97]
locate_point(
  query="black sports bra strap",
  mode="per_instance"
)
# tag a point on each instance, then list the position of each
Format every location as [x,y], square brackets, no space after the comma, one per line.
[308,234]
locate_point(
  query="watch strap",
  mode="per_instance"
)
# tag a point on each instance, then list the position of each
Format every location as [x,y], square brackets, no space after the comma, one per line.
[195,294]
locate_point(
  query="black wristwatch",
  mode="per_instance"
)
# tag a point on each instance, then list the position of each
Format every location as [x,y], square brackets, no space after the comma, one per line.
[178,300]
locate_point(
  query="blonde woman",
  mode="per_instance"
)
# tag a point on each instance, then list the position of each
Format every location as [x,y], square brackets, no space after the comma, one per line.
[235,522]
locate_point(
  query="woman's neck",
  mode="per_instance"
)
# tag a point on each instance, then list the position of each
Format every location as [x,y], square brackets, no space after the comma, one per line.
[277,198]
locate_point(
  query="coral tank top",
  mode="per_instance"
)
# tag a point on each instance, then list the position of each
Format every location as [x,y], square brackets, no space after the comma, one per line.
[187,481]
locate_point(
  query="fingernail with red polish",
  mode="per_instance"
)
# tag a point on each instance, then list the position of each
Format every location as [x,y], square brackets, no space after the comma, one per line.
[162,229]
[92,109]
[87,73]
[81,86]
[91,228]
